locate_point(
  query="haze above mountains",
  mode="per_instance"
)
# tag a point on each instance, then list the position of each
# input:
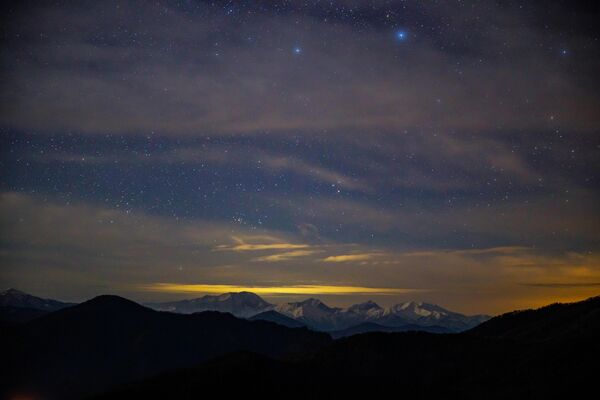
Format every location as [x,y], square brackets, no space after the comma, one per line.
[313,313]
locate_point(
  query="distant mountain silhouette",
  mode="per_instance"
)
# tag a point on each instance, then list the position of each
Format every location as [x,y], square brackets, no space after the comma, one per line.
[109,340]
[553,322]
[16,315]
[17,306]
[278,318]
[550,353]
[368,327]
[17,298]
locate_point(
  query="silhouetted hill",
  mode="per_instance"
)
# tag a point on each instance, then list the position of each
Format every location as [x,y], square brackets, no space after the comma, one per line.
[278,318]
[553,322]
[485,363]
[368,327]
[15,315]
[109,340]
[17,298]
[17,306]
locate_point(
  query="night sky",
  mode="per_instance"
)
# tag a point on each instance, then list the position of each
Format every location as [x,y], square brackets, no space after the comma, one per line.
[444,151]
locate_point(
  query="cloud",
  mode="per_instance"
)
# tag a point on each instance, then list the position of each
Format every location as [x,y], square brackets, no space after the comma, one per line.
[285,256]
[295,165]
[71,246]
[234,155]
[492,251]
[176,72]
[534,221]
[352,257]
[269,246]
[80,249]
[242,245]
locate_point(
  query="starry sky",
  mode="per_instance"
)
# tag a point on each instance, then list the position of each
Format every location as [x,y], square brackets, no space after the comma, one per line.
[441,151]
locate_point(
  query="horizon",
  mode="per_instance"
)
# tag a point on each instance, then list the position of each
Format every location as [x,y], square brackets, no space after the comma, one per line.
[285,299]
[394,151]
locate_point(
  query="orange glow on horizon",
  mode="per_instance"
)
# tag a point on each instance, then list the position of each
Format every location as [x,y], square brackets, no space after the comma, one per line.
[275,290]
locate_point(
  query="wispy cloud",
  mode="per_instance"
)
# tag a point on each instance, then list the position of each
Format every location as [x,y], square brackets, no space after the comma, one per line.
[174,89]
[242,245]
[263,246]
[352,257]
[502,250]
[289,255]
[235,155]
[319,173]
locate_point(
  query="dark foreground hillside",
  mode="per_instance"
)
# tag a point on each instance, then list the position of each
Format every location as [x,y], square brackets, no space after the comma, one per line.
[109,340]
[127,351]
[551,353]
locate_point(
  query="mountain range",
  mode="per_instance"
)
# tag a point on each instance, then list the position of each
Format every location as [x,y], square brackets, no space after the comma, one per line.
[242,304]
[318,316]
[86,348]
[17,306]
[112,348]
[18,299]
[549,353]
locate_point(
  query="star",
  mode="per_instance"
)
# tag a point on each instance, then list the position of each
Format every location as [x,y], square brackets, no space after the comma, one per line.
[297,50]
[400,35]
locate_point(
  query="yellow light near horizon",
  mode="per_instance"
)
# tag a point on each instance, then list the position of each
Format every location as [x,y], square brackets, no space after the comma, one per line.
[269,246]
[274,290]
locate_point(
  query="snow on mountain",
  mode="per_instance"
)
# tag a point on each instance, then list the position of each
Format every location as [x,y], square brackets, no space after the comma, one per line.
[242,304]
[416,311]
[425,314]
[312,312]
[16,298]
[368,310]
[319,316]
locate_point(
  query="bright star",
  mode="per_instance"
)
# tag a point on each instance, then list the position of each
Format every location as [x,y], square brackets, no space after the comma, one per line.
[297,50]
[400,35]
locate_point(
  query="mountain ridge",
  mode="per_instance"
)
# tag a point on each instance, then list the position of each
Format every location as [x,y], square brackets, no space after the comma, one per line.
[79,350]
[317,315]
[16,298]
[492,361]
[18,307]
[310,312]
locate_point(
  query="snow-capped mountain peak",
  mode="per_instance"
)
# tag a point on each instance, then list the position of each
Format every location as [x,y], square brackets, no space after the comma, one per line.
[368,310]
[417,310]
[242,304]
[367,305]
[312,302]
[316,314]
[312,312]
